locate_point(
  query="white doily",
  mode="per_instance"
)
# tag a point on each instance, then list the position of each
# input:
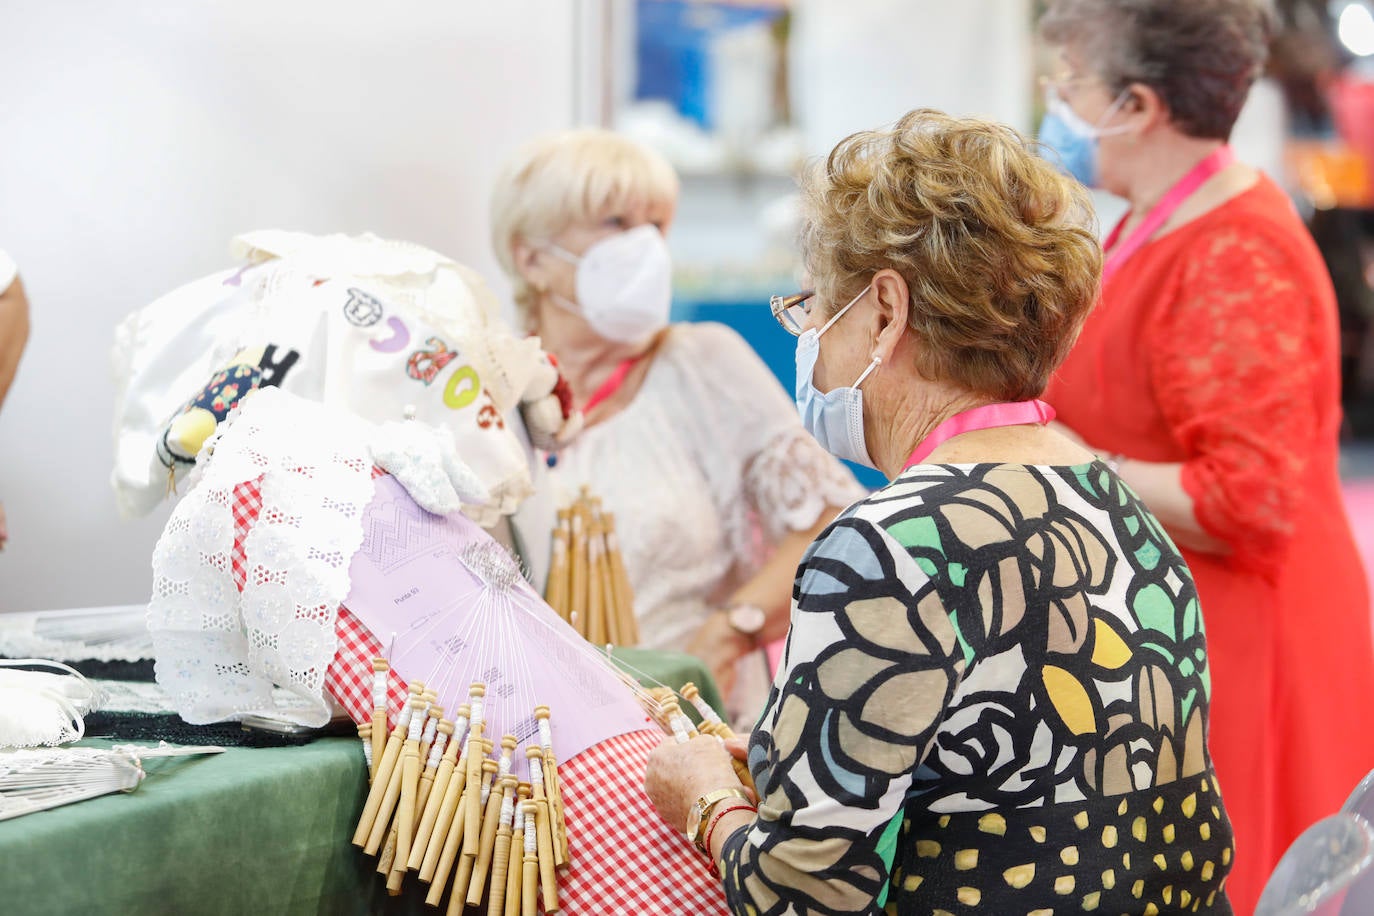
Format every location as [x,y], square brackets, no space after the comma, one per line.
[220,652]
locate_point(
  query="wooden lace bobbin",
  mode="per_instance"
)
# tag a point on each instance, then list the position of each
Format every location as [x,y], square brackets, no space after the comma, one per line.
[452,856]
[596,605]
[553,791]
[380,667]
[431,752]
[502,796]
[529,888]
[548,880]
[412,762]
[365,735]
[467,864]
[439,794]
[577,572]
[625,595]
[544,828]
[473,827]
[381,780]
[556,590]
[500,855]
[433,714]
[681,726]
[439,753]
[606,577]
[515,877]
[712,724]
[413,715]
[409,817]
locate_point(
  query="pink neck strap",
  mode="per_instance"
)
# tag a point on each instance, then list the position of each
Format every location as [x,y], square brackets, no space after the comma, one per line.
[1118,254]
[989,416]
[612,383]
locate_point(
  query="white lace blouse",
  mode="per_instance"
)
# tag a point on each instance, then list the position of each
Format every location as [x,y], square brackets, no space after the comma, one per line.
[705,470]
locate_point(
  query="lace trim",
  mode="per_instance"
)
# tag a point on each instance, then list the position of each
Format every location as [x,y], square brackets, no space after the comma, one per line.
[220,651]
[786,487]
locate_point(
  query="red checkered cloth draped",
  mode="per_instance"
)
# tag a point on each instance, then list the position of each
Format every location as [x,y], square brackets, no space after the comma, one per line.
[625,859]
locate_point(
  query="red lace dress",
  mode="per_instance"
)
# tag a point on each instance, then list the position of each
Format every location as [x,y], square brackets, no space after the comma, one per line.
[1216,346]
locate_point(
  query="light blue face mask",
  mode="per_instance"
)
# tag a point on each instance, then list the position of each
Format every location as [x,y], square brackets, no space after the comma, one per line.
[835,417]
[1074,140]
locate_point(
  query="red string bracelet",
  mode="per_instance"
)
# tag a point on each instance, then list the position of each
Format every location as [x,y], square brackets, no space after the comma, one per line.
[711,826]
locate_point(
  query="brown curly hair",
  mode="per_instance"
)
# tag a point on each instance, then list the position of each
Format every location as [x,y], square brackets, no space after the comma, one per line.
[996,247]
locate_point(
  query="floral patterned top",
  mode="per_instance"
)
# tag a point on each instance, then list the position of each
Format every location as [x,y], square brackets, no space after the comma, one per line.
[993,699]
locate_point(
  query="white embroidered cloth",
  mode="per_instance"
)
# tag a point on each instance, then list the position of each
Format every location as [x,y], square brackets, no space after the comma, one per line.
[219,652]
[376,327]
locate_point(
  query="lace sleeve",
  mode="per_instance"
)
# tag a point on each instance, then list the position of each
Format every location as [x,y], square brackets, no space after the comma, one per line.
[767,475]
[1236,362]
[791,481]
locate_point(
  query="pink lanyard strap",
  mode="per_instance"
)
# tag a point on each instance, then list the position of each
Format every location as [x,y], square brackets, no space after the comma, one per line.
[1159,214]
[612,383]
[989,416]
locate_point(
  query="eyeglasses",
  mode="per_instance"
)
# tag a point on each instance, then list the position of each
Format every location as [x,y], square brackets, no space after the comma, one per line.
[792,311]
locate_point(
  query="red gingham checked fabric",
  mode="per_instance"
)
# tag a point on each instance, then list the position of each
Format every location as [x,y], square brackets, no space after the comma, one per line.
[246,503]
[625,859]
[349,676]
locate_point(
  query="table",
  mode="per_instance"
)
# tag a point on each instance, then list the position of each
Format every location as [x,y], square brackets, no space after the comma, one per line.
[249,831]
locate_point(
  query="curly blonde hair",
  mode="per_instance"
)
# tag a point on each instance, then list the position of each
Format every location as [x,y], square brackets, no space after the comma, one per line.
[997,248]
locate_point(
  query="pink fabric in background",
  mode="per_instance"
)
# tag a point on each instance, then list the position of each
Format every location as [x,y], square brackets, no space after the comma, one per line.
[1359,504]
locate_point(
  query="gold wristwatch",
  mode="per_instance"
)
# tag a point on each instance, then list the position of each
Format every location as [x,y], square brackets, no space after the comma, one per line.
[699,814]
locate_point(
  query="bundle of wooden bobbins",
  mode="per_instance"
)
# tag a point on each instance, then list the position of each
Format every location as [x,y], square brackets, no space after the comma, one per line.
[588,586]
[441,805]
[675,722]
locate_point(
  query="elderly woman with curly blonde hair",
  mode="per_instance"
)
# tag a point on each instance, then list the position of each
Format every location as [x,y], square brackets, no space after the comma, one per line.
[994,692]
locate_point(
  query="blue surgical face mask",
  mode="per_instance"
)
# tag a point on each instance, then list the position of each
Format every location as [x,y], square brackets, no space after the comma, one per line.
[835,417]
[1074,140]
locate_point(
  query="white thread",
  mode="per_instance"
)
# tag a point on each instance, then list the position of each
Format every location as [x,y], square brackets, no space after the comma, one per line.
[417,726]
[475,703]
[519,818]
[679,725]
[507,810]
[486,794]
[431,726]
[705,710]
[460,730]
[531,838]
[536,773]
[436,751]
[403,720]
[367,751]
[379,690]
[545,734]
[503,768]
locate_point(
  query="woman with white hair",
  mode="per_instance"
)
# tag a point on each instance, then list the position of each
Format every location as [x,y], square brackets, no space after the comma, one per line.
[693,445]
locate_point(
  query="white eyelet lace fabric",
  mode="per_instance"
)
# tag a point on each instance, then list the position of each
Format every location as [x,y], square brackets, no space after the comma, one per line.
[220,652]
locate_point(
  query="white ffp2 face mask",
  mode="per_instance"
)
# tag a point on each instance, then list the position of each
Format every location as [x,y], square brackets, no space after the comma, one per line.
[624,284]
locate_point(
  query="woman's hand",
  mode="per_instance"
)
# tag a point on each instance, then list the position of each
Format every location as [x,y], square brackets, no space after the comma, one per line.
[720,646]
[678,774]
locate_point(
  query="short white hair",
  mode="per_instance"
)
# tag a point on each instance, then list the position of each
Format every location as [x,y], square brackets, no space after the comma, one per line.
[567,177]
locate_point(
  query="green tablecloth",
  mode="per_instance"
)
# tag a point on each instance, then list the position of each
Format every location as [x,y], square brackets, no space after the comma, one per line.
[249,831]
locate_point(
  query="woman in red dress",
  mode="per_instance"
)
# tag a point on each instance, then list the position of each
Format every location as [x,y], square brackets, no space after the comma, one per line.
[1208,375]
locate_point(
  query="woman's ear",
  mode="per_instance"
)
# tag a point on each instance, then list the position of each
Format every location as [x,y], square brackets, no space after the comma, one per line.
[892,310]
[528,258]
[1144,108]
